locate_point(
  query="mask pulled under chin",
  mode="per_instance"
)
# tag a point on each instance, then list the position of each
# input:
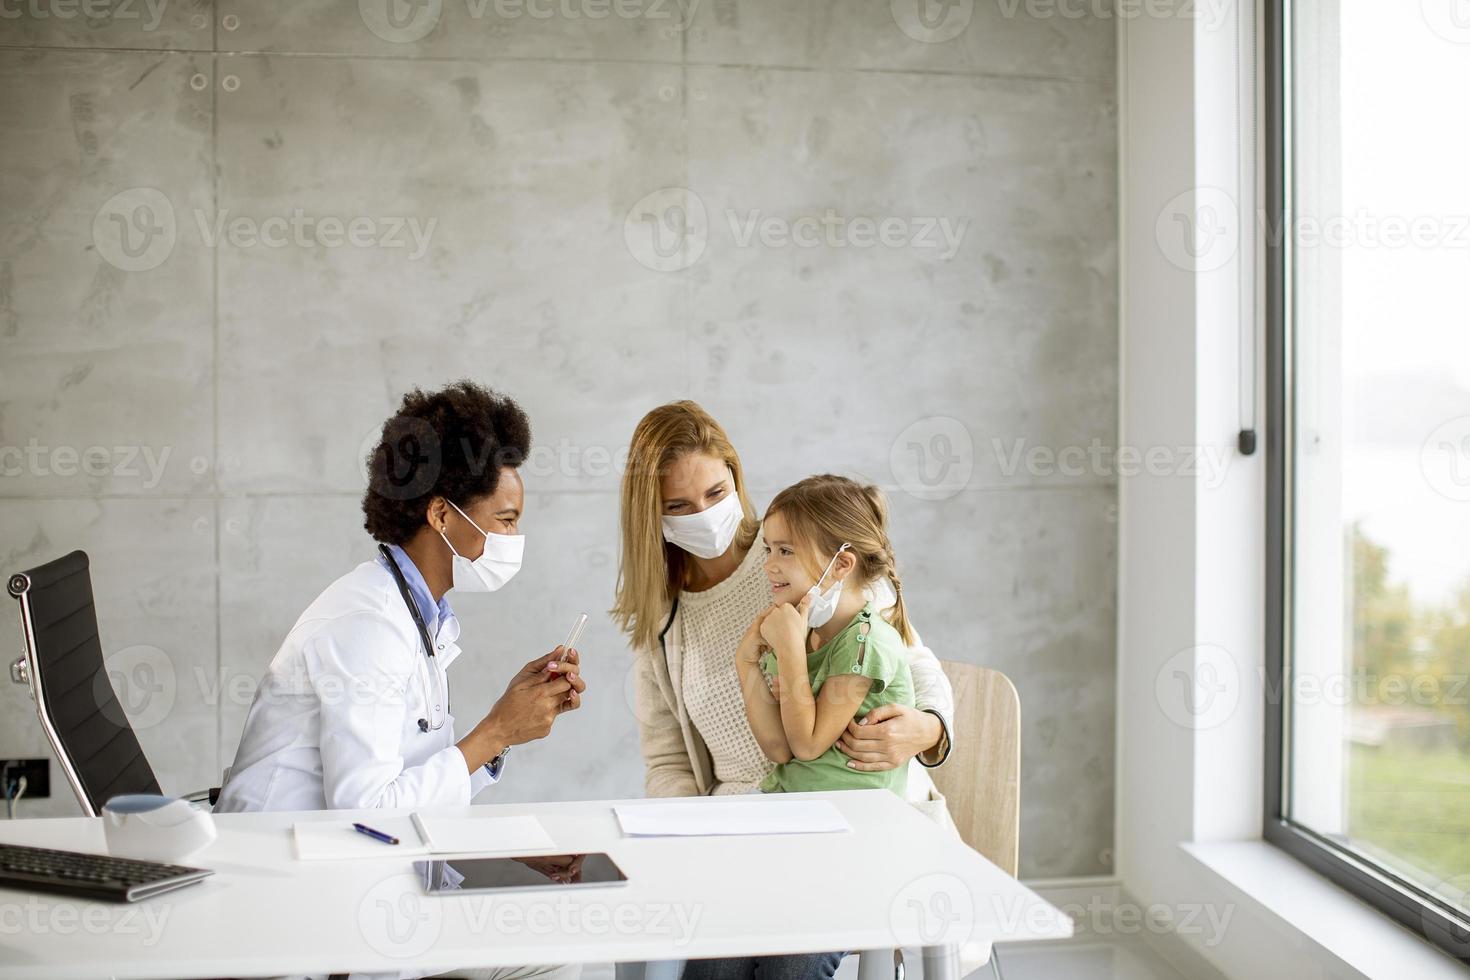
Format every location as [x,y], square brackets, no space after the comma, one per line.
[824,605]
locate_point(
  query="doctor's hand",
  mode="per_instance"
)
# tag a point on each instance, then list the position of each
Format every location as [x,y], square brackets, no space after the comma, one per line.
[556,664]
[536,695]
[569,665]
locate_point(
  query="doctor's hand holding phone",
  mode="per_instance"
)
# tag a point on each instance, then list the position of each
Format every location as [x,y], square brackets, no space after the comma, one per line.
[546,687]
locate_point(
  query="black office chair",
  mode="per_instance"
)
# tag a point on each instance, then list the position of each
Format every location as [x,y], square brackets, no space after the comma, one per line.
[64,669]
[79,710]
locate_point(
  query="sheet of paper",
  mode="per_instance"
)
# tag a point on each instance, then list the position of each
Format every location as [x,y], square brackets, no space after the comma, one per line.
[731,818]
[483,835]
[328,839]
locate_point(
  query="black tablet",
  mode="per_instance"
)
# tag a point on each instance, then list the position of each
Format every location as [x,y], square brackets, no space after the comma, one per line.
[540,871]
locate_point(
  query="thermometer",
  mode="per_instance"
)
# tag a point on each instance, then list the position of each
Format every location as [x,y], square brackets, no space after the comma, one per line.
[576,632]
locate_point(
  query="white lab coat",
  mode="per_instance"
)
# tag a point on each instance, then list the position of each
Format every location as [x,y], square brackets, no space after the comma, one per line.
[334,724]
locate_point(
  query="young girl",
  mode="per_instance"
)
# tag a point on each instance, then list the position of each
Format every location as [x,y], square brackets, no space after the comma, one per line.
[829,656]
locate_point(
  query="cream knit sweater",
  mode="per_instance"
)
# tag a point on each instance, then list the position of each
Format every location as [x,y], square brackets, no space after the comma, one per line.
[711,624]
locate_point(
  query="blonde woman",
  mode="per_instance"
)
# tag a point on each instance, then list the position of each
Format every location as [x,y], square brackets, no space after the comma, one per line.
[690,583]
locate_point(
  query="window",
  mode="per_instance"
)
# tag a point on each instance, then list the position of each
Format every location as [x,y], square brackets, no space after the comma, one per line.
[1368,298]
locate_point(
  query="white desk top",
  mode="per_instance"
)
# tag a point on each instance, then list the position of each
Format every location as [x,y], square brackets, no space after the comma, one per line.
[893,881]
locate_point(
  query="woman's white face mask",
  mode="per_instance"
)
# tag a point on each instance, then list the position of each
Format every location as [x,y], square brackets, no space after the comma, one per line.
[707,534]
[497,564]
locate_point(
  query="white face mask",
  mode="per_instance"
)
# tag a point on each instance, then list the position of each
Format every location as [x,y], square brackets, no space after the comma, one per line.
[822,607]
[707,534]
[497,564]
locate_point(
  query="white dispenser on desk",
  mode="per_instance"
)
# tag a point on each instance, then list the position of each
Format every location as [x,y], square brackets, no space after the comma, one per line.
[148,827]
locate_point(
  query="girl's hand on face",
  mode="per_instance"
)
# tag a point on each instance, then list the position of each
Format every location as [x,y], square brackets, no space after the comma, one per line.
[784,626]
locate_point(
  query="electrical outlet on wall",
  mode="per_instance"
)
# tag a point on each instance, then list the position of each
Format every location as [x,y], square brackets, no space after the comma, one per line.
[37,773]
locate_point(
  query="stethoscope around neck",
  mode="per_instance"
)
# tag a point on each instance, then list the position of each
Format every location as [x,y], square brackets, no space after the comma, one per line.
[440,700]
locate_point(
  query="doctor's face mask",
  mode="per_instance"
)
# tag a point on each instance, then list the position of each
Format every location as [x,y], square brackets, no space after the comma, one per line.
[497,564]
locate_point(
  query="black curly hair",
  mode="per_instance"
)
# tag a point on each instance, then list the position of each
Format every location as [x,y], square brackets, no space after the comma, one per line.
[450,443]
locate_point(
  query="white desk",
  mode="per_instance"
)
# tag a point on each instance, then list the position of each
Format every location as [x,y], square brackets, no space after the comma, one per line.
[893,881]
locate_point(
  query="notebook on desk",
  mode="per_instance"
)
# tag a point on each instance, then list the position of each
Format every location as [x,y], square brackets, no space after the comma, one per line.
[336,838]
[463,835]
[731,818]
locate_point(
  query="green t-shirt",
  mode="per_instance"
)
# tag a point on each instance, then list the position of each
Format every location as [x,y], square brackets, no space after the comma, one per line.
[869,646]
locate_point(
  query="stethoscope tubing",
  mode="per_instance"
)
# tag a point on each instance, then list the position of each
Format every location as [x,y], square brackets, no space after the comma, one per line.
[432,661]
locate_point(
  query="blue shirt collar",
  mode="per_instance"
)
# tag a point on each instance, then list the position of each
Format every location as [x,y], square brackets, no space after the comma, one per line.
[434,614]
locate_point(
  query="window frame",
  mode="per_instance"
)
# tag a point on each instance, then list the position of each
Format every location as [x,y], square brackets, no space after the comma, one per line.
[1405,902]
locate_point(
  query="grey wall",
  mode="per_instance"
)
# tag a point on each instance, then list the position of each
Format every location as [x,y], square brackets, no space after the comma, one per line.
[230,383]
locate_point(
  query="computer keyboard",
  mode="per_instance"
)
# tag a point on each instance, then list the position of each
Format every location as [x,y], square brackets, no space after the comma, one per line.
[97,876]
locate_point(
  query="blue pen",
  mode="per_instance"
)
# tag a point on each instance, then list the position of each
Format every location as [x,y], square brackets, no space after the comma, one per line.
[363,828]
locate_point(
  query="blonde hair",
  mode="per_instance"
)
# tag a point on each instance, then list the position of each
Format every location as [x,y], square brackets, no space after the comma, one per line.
[651,571]
[824,513]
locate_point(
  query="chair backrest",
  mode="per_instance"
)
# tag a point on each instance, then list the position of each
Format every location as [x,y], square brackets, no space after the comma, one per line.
[982,777]
[79,710]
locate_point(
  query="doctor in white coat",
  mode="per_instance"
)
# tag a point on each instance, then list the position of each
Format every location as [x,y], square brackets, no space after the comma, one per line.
[353,711]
